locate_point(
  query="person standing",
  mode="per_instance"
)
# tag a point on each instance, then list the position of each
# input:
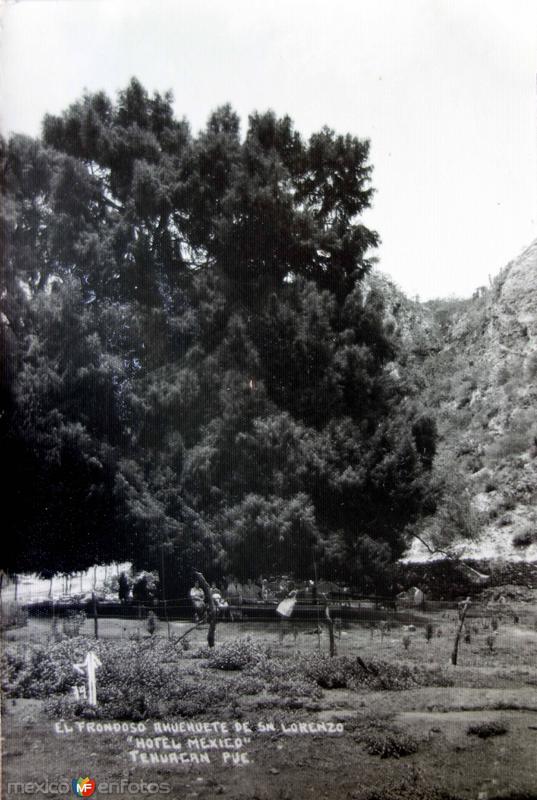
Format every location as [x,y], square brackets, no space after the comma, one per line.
[197,598]
[285,611]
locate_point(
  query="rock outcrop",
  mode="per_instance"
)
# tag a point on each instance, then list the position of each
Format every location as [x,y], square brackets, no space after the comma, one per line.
[474,367]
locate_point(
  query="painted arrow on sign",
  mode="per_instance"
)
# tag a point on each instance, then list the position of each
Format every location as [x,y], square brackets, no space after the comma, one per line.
[89,667]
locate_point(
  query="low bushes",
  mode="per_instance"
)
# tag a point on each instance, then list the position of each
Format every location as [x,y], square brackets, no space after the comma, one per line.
[525,538]
[343,672]
[487,729]
[388,742]
[236,654]
[72,623]
[186,699]
[13,616]
[39,671]
[407,790]
[130,668]
[153,678]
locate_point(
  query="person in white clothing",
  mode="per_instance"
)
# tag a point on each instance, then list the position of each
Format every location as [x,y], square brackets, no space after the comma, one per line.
[285,611]
[197,598]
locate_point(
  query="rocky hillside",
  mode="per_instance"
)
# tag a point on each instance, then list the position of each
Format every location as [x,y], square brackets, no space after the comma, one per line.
[475,369]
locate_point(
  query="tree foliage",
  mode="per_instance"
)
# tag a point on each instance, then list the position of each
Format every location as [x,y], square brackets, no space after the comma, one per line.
[194,371]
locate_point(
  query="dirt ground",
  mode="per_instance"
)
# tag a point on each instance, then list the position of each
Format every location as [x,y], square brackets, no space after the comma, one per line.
[325,757]
[286,765]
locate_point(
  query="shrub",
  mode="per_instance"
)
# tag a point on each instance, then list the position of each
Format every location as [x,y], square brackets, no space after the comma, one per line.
[110,584]
[294,687]
[284,677]
[67,707]
[137,679]
[389,742]
[333,673]
[145,586]
[502,375]
[525,538]
[509,502]
[201,652]
[72,623]
[491,641]
[37,671]
[236,654]
[429,631]
[406,641]
[408,790]
[13,616]
[344,672]
[510,444]
[186,699]
[123,587]
[487,729]
[244,683]
[151,623]
[140,679]
[531,365]
[196,699]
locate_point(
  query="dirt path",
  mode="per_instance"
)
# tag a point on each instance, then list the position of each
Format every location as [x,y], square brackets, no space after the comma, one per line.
[284,764]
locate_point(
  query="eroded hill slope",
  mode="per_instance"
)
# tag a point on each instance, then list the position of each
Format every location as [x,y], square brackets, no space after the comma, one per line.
[474,367]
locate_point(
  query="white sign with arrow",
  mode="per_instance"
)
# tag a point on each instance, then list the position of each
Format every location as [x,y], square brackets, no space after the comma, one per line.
[88,667]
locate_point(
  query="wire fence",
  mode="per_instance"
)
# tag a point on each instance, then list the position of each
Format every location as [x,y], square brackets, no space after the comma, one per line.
[378,639]
[365,627]
[109,618]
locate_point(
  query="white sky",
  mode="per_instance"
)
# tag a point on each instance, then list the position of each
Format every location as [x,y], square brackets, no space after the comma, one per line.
[444,89]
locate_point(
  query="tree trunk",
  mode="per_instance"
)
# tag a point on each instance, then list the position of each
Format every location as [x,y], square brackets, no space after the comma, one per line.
[95,616]
[54,623]
[211,606]
[330,626]
[167,619]
[463,613]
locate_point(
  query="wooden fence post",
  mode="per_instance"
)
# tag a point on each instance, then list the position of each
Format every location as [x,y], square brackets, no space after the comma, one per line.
[462,615]
[330,626]
[211,606]
[167,619]
[95,615]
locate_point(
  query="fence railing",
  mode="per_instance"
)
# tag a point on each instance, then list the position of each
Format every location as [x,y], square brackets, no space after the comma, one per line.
[350,608]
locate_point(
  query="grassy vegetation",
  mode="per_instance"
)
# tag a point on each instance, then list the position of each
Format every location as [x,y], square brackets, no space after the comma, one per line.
[408,706]
[487,729]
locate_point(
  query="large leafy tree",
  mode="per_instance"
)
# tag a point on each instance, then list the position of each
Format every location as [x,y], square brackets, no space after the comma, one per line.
[195,370]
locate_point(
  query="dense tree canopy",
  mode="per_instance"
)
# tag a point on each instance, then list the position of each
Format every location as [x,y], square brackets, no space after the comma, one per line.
[194,370]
